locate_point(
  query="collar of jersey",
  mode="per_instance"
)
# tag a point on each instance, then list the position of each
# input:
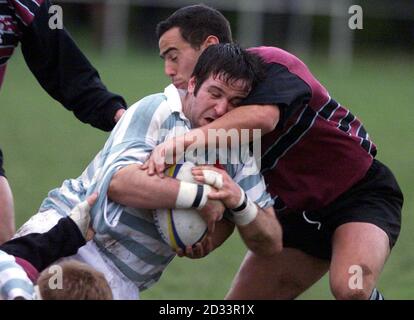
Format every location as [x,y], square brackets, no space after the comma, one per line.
[174,101]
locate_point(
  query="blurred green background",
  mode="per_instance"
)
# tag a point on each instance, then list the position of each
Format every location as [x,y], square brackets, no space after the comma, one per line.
[44,144]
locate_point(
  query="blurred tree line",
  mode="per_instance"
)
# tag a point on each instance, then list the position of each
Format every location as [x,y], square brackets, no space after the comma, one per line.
[387,25]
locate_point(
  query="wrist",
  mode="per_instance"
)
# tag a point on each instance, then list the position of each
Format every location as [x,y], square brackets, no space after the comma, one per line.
[245,211]
[241,203]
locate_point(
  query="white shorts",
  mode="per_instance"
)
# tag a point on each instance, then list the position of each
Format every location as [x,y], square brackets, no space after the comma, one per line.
[122,287]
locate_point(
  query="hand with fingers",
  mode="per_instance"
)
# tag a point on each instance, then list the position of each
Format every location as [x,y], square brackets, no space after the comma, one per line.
[226,190]
[199,250]
[164,156]
[119,114]
[80,214]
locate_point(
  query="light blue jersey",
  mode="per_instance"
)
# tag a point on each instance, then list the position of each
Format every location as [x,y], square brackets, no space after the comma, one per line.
[14,281]
[128,236]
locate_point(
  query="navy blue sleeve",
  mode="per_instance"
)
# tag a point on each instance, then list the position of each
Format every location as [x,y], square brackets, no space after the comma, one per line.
[64,71]
[42,249]
[281,88]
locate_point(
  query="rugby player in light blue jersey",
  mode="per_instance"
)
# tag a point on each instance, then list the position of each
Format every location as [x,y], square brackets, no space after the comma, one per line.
[127,247]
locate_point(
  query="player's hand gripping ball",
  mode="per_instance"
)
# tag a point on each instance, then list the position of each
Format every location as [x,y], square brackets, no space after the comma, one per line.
[180,227]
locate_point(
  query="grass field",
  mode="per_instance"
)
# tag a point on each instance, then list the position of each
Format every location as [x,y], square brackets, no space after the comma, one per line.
[44,144]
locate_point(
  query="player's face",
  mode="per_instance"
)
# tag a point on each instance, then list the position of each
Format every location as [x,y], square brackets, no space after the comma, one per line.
[179,57]
[214,99]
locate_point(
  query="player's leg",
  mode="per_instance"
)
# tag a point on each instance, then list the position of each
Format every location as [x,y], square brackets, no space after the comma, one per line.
[6,209]
[303,261]
[282,276]
[359,252]
[366,223]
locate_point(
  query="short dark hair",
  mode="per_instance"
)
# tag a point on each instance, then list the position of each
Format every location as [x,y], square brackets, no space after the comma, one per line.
[230,63]
[196,23]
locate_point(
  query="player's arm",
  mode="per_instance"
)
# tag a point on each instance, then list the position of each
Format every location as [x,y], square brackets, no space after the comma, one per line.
[262,117]
[7,228]
[271,103]
[63,70]
[224,229]
[64,239]
[133,187]
[249,117]
[263,235]
[258,227]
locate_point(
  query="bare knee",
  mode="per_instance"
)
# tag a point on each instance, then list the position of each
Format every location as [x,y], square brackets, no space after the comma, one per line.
[350,294]
[359,251]
[347,290]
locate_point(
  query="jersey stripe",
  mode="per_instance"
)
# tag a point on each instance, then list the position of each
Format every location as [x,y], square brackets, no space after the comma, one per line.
[289,139]
[328,110]
[26,10]
[304,122]
[14,281]
[344,123]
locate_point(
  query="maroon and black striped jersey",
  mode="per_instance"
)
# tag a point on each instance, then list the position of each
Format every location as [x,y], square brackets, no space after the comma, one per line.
[9,34]
[319,149]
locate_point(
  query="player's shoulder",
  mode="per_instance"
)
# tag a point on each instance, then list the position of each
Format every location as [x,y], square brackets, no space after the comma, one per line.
[150,102]
[279,60]
[147,106]
[273,54]
[159,106]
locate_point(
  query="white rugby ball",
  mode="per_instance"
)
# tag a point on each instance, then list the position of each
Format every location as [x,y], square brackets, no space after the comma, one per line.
[180,227]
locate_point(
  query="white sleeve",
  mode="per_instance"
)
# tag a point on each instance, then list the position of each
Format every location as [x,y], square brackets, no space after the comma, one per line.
[132,140]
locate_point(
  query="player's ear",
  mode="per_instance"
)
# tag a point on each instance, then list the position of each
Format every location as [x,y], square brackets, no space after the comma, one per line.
[191,85]
[210,40]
